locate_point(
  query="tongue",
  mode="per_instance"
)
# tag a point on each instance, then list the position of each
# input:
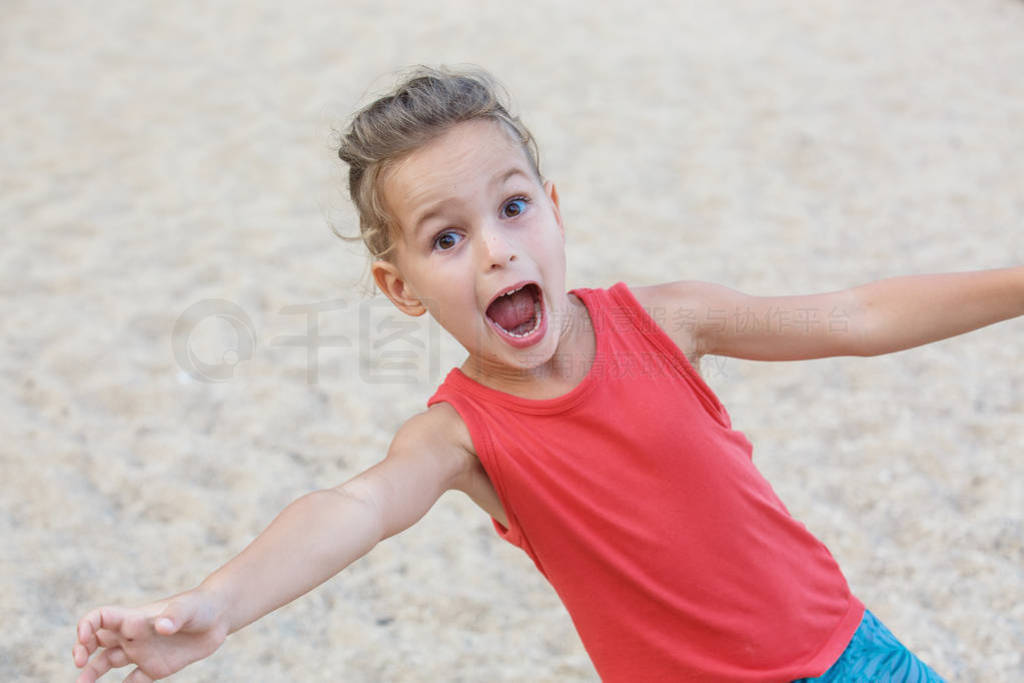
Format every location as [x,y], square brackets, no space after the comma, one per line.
[514,312]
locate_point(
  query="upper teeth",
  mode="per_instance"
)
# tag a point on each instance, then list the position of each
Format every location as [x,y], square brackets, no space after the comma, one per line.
[513,291]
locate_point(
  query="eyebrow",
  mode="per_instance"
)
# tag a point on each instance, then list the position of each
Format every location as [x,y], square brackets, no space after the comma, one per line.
[435,210]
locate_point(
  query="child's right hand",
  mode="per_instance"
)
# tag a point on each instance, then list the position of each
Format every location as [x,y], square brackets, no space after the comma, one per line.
[310,541]
[159,638]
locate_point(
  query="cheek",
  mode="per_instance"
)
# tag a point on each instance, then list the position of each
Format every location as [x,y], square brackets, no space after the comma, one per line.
[551,247]
[453,306]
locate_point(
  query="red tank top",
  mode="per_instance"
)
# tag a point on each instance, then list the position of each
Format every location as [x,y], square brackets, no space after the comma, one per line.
[637,500]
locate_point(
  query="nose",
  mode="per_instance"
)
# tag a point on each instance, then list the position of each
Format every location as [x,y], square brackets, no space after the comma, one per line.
[498,250]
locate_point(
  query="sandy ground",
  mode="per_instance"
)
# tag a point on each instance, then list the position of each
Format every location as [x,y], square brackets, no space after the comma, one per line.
[154,158]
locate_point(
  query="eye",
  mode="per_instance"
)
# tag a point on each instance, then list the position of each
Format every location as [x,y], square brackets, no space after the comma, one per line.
[514,207]
[446,240]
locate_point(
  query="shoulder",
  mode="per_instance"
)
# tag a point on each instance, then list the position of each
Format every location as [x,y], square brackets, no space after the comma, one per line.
[679,308]
[679,293]
[440,423]
[439,434]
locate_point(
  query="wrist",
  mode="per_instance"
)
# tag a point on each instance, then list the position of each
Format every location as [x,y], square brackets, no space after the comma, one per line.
[217,597]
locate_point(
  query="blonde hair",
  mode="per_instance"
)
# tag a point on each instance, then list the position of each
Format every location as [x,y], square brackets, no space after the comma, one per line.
[423,106]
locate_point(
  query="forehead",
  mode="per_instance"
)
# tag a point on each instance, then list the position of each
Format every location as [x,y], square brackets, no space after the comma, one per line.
[454,163]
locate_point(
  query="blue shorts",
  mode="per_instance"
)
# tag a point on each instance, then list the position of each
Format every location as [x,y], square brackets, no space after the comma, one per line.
[874,654]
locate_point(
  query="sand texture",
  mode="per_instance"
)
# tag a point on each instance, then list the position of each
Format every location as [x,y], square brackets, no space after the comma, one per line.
[159,156]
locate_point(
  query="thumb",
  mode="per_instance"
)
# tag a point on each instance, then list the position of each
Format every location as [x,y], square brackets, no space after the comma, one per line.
[177,613]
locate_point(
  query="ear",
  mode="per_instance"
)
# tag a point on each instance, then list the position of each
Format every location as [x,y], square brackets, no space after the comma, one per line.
[552,193]
[389,280]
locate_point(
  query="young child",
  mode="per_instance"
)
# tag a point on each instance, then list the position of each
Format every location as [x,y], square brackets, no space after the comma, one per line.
[577,422]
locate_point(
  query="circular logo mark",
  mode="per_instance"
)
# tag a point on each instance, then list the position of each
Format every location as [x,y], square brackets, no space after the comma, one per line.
[189,320]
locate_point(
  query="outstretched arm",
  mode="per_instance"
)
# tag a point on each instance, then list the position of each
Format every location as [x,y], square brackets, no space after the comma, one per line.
[880,317]
[310,541]
[900,313]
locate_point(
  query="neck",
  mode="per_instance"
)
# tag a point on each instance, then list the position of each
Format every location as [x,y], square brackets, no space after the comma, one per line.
[555,376]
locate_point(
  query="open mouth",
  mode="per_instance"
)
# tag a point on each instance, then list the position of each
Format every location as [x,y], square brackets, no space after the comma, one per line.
[518,312]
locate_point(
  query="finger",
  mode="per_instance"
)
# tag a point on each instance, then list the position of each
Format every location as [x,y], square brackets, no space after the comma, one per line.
[103,617]
[80,655]
[102,663]
[107,638]
[86,630]
[137,676]
[117,658]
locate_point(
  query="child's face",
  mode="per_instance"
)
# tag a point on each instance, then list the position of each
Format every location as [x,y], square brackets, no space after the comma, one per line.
[481,246]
